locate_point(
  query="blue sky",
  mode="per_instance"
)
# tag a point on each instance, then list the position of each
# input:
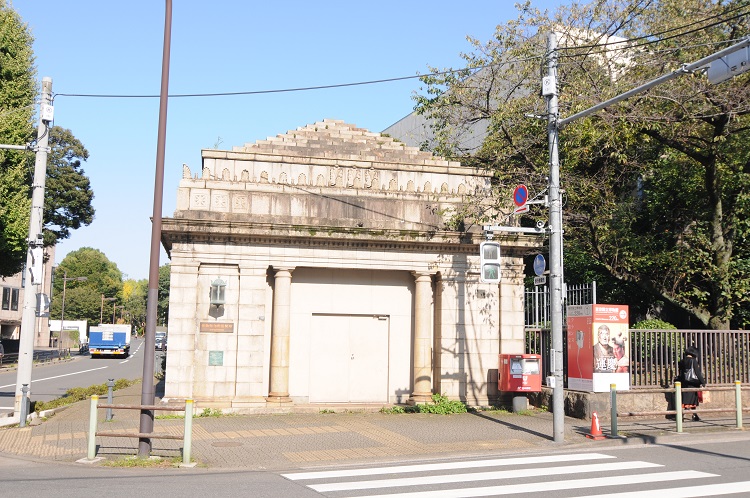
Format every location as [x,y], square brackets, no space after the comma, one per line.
[115,48]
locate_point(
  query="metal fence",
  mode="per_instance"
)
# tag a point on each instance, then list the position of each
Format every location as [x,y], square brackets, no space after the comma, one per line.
[654,354]
[537,305]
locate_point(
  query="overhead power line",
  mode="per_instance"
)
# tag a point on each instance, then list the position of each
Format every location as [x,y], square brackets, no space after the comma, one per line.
[450,71]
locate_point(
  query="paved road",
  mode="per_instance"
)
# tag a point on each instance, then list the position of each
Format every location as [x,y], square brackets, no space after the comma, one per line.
[697,466]
[714,471]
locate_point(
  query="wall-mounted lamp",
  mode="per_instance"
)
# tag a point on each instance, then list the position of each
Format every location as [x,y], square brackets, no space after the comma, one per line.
[218,287]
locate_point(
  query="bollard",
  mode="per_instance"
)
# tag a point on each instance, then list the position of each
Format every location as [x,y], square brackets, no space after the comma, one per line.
[678,404]
[613,408]
[24,405]
[188,431]
[92,428]
[110,387]
[738,402]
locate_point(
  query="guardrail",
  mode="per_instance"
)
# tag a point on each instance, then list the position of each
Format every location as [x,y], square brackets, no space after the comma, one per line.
[678,411]
[186,437]
[39,356]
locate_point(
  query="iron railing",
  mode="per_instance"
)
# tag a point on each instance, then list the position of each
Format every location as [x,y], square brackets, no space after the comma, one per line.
[654,354]
[537,305]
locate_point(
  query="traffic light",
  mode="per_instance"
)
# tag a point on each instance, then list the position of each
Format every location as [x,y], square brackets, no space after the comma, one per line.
[489,253]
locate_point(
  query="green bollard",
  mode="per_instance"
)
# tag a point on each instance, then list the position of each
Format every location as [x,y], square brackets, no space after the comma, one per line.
[738,402]
[613,408]
[678,404]
[92,427]
[188,443]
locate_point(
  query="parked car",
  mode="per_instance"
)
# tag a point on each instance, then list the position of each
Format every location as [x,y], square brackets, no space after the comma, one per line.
[161,341]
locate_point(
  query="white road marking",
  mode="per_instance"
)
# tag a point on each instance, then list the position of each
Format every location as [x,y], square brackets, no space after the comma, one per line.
[59,376]
[725,488]
[483,476]
[542,487]
[427,467]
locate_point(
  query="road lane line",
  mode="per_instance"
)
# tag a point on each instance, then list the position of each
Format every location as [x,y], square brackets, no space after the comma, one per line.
[59,376]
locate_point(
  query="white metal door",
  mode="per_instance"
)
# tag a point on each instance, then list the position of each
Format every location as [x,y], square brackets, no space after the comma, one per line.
[348,359]
[368,373]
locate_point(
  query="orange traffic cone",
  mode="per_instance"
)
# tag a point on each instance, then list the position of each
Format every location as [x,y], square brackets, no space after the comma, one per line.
[596,430]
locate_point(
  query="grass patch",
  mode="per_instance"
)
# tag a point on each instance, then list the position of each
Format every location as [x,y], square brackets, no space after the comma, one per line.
[150,462]
[77,394]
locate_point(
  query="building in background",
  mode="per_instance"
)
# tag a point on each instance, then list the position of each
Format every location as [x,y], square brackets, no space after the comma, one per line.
[11,306]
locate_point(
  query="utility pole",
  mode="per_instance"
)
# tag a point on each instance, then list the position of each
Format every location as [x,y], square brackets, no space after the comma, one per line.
[720,66]
[34,263]
[549,90]
[147,390]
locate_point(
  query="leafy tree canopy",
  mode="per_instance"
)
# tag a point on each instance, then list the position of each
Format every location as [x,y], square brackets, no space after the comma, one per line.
[656,187]
[68,192]
[103,278]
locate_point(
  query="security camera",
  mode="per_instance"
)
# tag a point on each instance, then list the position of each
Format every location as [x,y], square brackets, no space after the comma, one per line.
[539,224]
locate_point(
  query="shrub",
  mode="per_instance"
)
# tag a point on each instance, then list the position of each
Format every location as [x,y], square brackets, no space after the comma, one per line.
[81,393]
[653,324]
[440,405]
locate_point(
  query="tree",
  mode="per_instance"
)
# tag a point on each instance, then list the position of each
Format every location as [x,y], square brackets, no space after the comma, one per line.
[85,298]
[17,93]
[68,193]
[135,296]
[656,187]
[162,313]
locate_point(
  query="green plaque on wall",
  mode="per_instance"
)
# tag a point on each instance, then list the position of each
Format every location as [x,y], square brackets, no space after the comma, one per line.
[216,358]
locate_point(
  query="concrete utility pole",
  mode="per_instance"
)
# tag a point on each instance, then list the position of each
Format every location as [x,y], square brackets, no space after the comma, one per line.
[34,263]
[549,90]
[147,390]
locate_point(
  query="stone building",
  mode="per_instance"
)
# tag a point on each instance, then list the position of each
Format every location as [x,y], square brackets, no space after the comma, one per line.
[318,267]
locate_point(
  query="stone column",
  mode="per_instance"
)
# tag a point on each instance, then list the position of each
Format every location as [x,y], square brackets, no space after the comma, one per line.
[279,388]
[422,348]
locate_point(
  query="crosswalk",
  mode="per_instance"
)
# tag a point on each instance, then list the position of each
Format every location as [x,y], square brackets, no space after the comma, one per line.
[569,474]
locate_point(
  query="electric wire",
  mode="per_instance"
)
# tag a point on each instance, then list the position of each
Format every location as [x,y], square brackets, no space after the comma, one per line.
[446,72]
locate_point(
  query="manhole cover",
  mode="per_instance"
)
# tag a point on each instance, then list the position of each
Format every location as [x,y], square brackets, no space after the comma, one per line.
[226,444]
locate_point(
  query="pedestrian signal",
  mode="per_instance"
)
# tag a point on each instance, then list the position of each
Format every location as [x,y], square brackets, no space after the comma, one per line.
[489,253]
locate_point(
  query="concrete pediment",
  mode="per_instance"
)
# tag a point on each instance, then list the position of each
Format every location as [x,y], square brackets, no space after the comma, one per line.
[328,173]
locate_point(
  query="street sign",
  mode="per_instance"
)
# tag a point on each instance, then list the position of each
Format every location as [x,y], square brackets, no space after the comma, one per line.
[539,265]
[540,280]
[520,195]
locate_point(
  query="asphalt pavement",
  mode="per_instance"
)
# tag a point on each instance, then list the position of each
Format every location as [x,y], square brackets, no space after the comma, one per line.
[333,436]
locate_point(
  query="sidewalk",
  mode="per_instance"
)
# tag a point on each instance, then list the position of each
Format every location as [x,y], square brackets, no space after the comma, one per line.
[303,440]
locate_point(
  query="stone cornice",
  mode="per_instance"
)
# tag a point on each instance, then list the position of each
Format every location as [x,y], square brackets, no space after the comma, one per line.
[247,233]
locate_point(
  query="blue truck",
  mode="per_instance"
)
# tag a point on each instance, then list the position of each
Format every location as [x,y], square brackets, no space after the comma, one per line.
[110,340]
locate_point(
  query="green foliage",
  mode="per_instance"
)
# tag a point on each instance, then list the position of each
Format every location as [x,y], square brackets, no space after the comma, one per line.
[211,412]
[81,393]
[83,300]
[68,193]
[162,314]
[440,405]
[17,93]
[657,189]
[653,324]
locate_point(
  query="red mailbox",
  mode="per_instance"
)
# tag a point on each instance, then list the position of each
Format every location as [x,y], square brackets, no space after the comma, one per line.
[519,373]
